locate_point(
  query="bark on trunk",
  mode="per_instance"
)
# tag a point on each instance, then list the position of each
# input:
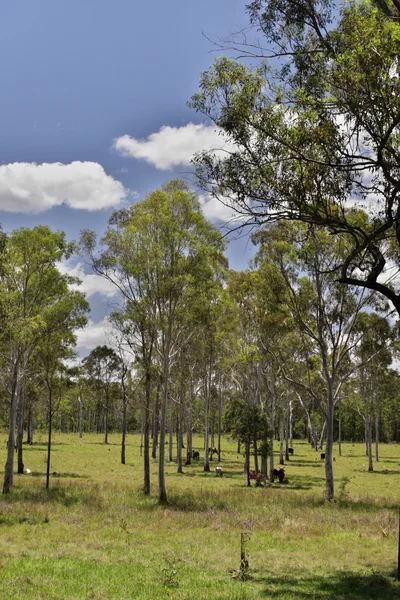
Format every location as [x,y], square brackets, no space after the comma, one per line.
[189,442]
[180,422]
[106,420]
[281,440]
[162,492]
[29,433]
[156,421]
[340,429]
[20,435]
[321,439]
[124,408]
[9,466]
[377,435]
[49,438]
[171,429]
[290,424]
[81,411]
[369,442]
[146,455]
[247,464]
[219,424]
[206,409]
[330,489]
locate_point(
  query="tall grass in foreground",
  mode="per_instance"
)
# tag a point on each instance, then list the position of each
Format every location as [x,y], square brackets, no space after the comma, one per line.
[95,535]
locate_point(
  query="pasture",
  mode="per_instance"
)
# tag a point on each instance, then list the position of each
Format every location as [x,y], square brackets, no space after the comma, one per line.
[94,535]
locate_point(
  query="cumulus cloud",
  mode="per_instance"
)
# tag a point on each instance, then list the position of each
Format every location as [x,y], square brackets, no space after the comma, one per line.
[94,334]
[219,211]
[35,188]
[91,284]
[173,146]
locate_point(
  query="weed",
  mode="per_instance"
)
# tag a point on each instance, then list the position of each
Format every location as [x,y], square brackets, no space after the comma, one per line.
[343,494]
[170,573]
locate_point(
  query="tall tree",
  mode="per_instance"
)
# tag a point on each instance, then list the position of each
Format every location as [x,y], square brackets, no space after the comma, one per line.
[325,314]
[32,287]
[159,253]
[314,127]
[104,366]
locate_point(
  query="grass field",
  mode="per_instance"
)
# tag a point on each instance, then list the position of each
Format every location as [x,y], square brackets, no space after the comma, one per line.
[94,535]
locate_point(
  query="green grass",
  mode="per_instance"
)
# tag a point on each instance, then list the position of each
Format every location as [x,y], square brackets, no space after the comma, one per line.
[94,535]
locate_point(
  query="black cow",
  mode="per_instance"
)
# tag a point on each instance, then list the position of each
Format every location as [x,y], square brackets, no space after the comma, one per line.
[280,474]
[195,454]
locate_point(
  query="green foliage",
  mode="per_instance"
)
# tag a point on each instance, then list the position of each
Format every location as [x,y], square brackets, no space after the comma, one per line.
[314,119]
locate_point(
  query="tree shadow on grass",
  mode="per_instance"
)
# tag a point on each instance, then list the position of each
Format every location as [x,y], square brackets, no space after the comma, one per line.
[305,463]
[56,494]
[55,475]
[335,586]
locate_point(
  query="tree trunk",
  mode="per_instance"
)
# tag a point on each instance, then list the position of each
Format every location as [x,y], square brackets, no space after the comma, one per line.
[81,412]
[162,492]
[206,409]
[124,407]
[321,439]
[256,457]
[156,421]
[281,440]
[180,422]
[29,433]
[290,424]
[264,457]
[287,458]
[271,441]
[49,438]
[219,423]
[189,442]
[9,466]
[106,419]
[330,490]
[340,429]
[171,428]
[146,456]
[247,464]
[377,434]
[20,427]
[369,443]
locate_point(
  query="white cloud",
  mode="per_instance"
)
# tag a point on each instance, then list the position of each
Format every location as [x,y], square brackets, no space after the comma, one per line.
[219,210]
[91,284]
[173,146]
[34,188]
[94,334]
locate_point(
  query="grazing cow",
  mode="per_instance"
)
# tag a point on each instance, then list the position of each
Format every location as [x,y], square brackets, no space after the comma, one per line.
[261,480]
[212,450]
[291,451]
[280,474]
[218,471]
[322,455]
[195,454]
[253,474]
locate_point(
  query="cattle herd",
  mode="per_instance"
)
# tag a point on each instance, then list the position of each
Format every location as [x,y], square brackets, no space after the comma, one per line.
[259,478]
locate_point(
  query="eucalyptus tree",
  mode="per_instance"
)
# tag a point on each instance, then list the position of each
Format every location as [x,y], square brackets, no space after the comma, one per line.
[103,366]
[313,123]
[62,319]
[375,356]
[160,254]
[32,286]
[326,315]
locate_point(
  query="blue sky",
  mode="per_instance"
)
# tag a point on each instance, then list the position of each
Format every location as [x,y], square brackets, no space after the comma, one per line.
[93,110]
